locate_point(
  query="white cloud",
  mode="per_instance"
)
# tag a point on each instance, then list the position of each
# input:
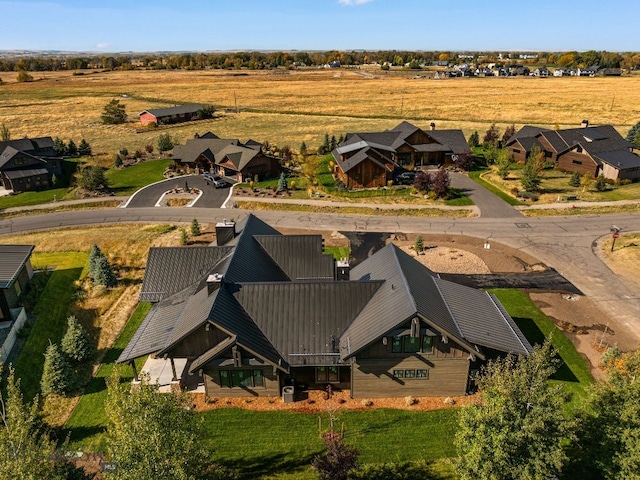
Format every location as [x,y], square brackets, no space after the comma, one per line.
[102,45]
[351,3]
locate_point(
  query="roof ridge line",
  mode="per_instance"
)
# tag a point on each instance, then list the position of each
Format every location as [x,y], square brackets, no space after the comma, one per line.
[493,300]
[453,317]
[404,278]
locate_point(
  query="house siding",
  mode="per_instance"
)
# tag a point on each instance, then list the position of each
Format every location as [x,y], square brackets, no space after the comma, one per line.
[613,173]
[518,153]
[577,162]
[366,174]
[447,366]
[200,341]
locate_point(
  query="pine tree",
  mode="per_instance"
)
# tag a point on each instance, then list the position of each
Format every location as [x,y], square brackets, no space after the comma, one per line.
[282,183]
[303,149]
[104,273]
[418,246]
[57,376]
[333,143]
[72,149]
[183,237]
[94,257]
[601,183]
[84,148]
[474,139]
[195,227]
[5,134]
[165,143]
[75,343]
[574,181]
[114,113]
[59,148]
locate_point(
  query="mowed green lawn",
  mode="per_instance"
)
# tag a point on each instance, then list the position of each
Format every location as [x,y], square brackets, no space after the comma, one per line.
[51,314]
[126,181]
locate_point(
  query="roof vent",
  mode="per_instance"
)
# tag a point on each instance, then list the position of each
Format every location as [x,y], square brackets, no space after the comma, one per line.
[433,125]
[584,124]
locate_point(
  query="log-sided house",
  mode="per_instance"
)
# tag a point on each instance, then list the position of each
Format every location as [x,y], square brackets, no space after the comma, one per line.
[366,160]
[28,164]
[163,116]
[227,157]
[593,150]
[262,310]
[15,273]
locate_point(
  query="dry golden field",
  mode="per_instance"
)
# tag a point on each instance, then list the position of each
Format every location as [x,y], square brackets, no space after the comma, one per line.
[289,107]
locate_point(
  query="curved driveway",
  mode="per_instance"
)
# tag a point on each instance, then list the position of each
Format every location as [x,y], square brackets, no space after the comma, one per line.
[211,197]
[566,243]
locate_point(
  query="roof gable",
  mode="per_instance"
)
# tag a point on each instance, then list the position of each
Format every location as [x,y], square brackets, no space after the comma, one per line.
[301,257]
[14,258]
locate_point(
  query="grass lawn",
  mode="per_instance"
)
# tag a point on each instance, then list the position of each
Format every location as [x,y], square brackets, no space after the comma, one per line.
[126,181]
[88,422]
[574,373]
[51,314]
[261,443]
[338,252]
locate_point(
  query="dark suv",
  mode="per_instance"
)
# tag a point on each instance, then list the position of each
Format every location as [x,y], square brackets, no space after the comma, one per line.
[405,178]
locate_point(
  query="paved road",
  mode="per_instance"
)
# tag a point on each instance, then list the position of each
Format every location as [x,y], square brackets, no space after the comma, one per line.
[490,205]
[211,197]
[566,243]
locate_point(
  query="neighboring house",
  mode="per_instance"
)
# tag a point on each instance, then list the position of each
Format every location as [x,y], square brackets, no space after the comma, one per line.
[541,72]
[263,310]
[28,164]
[369,159]
[593,150]
[15,273]
[228,157]
[177,114]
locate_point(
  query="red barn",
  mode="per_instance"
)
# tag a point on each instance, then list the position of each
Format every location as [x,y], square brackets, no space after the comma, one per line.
[177,114]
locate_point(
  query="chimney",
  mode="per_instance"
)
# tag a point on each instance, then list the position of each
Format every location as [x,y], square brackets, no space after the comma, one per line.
[225,232]
[196,135]
[433,125]
[342,270]
[213,283]
[584,124]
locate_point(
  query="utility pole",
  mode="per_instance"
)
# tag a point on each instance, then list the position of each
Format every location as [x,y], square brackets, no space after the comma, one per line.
[235,101]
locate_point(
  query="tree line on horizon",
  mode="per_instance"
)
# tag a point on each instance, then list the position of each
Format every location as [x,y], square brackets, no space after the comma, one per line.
[256,60]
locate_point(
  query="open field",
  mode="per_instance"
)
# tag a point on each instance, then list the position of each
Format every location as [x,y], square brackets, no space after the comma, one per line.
[289,107]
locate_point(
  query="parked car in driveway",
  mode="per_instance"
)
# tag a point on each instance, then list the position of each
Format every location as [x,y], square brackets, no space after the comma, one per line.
[217,180]
[405,178]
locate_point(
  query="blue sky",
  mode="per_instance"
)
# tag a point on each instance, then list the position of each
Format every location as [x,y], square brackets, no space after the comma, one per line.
[201,25]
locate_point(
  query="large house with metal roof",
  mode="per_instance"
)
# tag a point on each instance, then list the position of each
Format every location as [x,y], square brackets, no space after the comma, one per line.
[370,159]
[227,157]
[263,310]
[596,150]
[28,164]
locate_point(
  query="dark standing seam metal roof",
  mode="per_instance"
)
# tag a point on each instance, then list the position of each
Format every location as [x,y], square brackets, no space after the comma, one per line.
[367,153]
[412,289]
[171,269]
[482,319]
[209,147]
[454,139]
[30,172]
[177,110]
[301,257]
[305,318]
[157,327]
[12,259]
[10,152]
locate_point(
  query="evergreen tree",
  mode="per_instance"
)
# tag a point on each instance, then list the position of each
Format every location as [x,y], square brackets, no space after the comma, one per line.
[104,273]
[57,376]
[75,343]
[94,257]
[183,237]
[340,139]
[113,113]
[509,132]
[303,149]
[574,181]
[601,183]
[195,227]
[118,161]
[59,148]
[332,143]
[474,139]
[84,148]
[5,134]
[25,451]
[418,246]
[326,144]
[282,183]
[633,133]
[72,149]
[165,143]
